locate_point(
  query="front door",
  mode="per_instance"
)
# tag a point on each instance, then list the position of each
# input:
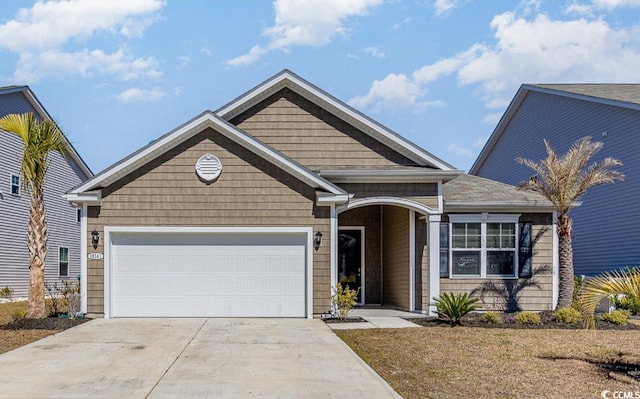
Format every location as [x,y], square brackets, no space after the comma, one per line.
[351,259]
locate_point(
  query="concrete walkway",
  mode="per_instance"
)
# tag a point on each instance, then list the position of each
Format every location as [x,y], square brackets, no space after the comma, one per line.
[378,318]
[190,358]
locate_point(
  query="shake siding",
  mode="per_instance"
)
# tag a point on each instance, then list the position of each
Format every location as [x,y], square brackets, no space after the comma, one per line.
[535,293]
[14,210]
[395,269]
[249,192]
[421,261]
[312,136]
[369,217]
[425,193]
[605,233]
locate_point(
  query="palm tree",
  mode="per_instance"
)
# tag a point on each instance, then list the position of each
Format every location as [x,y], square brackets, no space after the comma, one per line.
[563,180]
[40,137]
[625,282]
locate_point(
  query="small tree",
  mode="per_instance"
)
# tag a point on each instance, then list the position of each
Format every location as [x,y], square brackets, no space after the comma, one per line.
[39,137]
[563,180]
[343,300]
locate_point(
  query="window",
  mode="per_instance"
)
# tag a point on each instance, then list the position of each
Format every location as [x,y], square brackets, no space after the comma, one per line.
[15,184]
[483,245]
[63,262]
[78,215]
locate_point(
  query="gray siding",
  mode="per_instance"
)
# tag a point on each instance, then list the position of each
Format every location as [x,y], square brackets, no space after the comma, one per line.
[605,236]
[14,210]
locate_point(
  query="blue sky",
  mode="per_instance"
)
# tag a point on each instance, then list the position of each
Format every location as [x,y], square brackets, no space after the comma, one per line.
[117,74]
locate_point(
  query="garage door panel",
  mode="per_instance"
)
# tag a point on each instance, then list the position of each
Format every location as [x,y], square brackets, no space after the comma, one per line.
[191,275]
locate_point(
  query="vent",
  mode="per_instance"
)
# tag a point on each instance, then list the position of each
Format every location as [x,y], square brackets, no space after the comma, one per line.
[208,168]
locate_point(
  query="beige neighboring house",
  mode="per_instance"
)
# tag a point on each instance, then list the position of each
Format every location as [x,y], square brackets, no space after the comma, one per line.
[259,208]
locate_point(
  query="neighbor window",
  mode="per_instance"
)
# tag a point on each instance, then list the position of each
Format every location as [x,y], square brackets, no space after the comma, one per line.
[63,262]
[15,184]
[483,245]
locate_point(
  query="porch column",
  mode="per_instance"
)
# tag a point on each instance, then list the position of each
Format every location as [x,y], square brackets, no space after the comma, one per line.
[433,228]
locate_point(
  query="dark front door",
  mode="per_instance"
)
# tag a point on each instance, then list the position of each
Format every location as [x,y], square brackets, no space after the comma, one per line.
[350,265]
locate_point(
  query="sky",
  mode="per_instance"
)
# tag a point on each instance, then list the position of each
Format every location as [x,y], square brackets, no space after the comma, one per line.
[118,74]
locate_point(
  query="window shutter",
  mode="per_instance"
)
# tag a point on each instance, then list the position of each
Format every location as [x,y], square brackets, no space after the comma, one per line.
[525,254]
[444,249]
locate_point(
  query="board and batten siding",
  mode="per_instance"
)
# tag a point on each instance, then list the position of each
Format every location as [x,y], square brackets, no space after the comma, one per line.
[312,136]
[535,293]
[249,192]
[605,229]
[64,229]
[395,264]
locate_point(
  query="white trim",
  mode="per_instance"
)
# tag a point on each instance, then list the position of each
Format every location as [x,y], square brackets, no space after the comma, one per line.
[325,199]
[402,202]
[433,228]
[190,129]
[11,185]
[334,246]
[483,219]
[362,259]
[109,230]
[440,198]
[372,128]
[90,198]
[83,259]
[412,260]
[555,275]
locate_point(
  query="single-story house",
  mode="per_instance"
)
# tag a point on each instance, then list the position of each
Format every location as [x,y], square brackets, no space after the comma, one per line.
[605,237]
[260,208]
[63,219]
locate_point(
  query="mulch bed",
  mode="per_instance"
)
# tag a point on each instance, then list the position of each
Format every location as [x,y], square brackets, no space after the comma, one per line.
[48,323]
[475,320]
[357,319]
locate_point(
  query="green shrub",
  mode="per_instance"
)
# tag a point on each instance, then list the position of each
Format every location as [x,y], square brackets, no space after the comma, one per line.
[626,302]
[527,318]
[453,308]
[492,317]
[567,316]
[344,299]
[616,317]
[625,282]
[19,314]
[6,293]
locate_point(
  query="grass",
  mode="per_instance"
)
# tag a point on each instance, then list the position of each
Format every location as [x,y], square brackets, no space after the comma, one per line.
[445,362]
[11,339]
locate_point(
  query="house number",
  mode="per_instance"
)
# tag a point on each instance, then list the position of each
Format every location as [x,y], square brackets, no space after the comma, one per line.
[96,256]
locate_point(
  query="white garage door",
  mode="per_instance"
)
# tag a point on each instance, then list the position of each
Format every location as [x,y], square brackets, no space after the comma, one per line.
[208,274]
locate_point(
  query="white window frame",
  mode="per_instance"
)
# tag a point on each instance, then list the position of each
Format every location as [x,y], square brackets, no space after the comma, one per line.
[483,219]
[12,185]
[68,262]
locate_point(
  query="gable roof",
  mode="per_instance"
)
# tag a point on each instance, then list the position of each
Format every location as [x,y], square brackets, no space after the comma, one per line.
[43,114]
[618,95]
[287,79]
[188,130]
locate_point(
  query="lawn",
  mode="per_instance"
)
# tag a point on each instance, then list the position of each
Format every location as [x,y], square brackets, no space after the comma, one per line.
[446,362]
[11,339]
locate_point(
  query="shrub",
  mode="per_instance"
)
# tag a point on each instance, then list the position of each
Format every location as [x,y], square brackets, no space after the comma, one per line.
[527,318]
[567,316]
[344,299]
[616,317]
[6,293]
[453,307]
[19,314]
[492,317]
[625,302]
[625,282]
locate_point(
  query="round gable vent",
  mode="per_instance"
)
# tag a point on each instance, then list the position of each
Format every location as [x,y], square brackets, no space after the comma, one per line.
[208,168]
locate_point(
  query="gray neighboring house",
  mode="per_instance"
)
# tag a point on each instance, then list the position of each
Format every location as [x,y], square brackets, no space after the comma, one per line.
[63,258]
[605,235]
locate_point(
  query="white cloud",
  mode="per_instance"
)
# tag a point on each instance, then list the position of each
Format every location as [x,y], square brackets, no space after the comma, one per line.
[375,52]
[492,119]
[306,23]
[45,32]
[400,24]
[135,94]
[206,51]
[444,6]
[470,150]
[183,61]
[611,4]
[394,91]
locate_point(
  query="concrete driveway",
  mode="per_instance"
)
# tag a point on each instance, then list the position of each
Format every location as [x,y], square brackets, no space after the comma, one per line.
[190,358]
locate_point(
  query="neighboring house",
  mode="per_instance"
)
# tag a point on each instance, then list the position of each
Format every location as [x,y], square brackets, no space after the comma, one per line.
[605,233]
[261,207]
[63,257]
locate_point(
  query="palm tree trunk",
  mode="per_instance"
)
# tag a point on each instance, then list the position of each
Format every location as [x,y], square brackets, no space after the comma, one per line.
[37,240]
[565,295]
